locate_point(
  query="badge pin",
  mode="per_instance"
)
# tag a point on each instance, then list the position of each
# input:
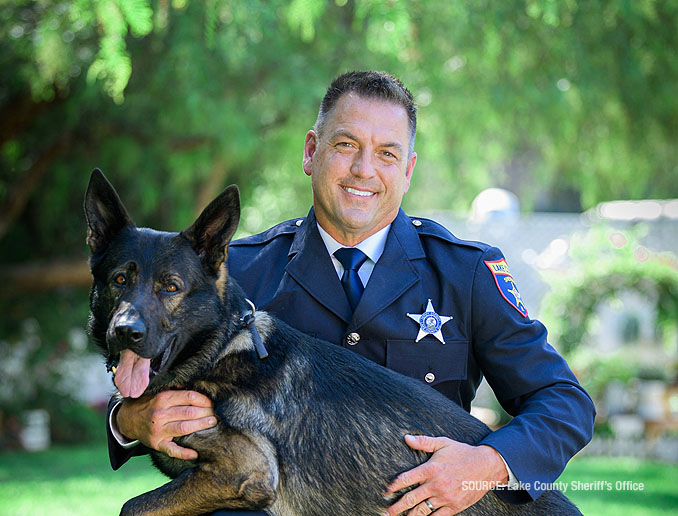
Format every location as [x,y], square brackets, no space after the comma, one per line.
[430,323]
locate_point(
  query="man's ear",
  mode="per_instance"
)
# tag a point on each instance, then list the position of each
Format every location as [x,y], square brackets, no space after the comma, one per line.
[310,147]
[106,215]
[212,231]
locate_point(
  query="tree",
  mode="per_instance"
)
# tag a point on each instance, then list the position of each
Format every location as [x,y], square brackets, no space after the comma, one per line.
[567,104]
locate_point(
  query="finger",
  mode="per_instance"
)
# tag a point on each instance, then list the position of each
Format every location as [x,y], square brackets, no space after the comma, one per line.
[421,509]
[187,412]
[186,398]
[409,478]
[189,426]
[410,500]
[426,443]
[178,452]
[438,505]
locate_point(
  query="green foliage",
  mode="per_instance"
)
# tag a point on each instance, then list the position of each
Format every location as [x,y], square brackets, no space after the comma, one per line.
[57,39]
[113,63]
[565,103]
[607,263]
[43,343]
[596,370]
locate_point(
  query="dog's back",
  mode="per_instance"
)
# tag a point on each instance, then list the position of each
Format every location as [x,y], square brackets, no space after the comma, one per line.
[337,422]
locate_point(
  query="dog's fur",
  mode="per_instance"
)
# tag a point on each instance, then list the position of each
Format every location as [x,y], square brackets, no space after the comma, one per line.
[310,430]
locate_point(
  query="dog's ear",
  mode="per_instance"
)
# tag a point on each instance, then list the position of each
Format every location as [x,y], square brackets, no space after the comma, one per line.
[212,231]
[106,216]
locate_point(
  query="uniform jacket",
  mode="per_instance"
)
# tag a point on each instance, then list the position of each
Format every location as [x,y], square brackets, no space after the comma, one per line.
[287,271]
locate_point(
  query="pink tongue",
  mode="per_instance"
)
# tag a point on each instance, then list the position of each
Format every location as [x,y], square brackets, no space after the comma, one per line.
[131,377]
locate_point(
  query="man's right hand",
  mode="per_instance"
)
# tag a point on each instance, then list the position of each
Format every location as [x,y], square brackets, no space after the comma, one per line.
[155,421]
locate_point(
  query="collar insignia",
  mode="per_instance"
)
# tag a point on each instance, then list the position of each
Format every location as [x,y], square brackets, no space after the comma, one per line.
[430,323]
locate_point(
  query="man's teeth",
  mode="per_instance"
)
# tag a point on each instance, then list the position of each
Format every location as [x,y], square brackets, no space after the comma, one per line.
[358,192]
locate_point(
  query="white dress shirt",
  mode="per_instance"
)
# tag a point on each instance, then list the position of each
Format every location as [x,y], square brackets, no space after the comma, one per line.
[372,246]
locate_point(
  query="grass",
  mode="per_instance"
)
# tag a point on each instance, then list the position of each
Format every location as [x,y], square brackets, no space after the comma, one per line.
[77,481]
[621,486]
[71,481]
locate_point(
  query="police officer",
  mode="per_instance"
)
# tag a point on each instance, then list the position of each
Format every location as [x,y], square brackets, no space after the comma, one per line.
[414,298]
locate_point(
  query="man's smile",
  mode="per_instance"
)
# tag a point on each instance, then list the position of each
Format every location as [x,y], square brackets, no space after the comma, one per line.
[360,193]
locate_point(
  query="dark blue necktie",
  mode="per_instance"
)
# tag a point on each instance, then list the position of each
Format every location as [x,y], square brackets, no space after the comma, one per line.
[352,259]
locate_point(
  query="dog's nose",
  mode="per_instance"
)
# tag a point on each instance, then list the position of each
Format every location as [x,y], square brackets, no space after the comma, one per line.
[130,331]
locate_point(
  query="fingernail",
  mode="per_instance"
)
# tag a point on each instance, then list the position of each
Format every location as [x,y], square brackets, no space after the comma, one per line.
[212,421]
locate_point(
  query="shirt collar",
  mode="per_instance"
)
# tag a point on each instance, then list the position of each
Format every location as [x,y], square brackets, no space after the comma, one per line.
[372,246]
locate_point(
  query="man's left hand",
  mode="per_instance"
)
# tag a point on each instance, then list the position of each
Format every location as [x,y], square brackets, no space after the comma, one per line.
[449,479]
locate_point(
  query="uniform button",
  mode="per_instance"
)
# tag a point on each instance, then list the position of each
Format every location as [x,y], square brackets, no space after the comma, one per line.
[430,377]
[416,223]
[299,222]
[352,339]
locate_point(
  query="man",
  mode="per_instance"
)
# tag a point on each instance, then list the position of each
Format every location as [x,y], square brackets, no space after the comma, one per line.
[434,307]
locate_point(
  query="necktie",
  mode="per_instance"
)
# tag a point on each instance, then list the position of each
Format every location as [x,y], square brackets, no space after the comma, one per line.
[352,259]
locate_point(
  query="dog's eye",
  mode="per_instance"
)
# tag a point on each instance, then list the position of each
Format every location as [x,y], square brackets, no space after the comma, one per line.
[172,287]
[120,279]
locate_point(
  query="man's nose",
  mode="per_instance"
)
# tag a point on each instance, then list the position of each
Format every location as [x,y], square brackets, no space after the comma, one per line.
[363,164]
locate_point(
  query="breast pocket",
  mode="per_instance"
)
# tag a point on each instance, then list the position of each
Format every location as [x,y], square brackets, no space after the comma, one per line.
[429,361]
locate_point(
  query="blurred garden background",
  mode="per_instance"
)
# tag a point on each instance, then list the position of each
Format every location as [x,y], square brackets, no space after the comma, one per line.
[546,127]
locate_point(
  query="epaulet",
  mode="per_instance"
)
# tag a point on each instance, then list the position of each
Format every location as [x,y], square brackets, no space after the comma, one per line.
[430,228]
[289,227]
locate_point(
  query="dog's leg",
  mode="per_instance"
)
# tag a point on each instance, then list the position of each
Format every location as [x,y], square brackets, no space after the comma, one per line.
[235,471]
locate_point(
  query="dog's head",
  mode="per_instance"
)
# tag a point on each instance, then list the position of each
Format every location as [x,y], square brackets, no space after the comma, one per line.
[154,292]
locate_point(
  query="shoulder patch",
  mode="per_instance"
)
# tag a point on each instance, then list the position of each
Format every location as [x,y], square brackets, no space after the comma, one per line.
[506,285]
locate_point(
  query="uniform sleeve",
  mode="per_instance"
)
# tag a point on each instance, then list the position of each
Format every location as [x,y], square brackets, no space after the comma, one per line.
[553,415]
[118,454]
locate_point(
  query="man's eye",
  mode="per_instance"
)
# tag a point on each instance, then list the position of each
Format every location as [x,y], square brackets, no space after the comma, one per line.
[120,279]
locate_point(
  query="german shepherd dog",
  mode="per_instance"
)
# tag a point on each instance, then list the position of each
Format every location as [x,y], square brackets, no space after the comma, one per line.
[306,428]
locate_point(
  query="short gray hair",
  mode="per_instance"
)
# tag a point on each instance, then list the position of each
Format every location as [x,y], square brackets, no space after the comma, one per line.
[370,85]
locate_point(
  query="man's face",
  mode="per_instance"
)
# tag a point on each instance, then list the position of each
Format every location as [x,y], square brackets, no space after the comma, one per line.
[359,167]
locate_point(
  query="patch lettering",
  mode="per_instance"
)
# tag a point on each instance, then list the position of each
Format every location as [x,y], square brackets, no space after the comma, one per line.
[506,284]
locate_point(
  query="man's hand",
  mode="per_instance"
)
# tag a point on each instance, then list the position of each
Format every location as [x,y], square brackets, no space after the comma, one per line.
[156,420]
[448,479]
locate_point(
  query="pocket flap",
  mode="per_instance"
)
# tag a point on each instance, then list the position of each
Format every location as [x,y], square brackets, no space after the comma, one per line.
[428,360]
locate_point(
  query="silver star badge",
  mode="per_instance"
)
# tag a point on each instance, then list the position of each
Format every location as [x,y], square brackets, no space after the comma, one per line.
[430,323]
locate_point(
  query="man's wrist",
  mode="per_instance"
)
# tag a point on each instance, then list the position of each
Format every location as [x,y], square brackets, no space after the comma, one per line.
[500,471]
[115,431]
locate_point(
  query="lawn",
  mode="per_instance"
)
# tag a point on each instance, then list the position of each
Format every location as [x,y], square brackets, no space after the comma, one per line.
[77,481]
